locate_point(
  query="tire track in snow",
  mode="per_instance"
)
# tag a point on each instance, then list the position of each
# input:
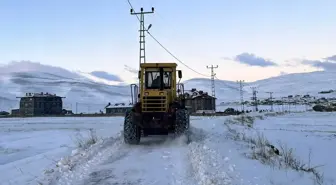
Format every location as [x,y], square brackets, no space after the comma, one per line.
[157,160]
[164,161]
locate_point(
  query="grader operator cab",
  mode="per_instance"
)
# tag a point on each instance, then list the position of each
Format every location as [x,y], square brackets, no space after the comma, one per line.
[160,108]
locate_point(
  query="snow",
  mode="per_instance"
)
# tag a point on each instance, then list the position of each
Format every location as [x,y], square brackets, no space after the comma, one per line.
[44,150]
[312,135]
[84,93]
[28,146]
[89,93]
[282,86]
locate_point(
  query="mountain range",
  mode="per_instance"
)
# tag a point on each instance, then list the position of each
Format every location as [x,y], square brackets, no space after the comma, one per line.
[90,92]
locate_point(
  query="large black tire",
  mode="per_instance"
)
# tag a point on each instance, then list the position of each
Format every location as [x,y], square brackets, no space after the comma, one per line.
[182,122]
[132,132]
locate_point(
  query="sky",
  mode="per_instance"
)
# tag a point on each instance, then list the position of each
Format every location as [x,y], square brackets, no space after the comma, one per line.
[248,40]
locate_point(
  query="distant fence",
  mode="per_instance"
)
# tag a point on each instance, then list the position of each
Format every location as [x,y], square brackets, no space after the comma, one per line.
[276,107]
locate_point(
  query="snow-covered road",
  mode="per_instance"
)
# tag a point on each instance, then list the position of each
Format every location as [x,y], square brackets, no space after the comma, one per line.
[157,160]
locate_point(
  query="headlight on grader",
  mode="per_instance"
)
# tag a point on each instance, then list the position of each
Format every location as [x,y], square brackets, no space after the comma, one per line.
[146,93]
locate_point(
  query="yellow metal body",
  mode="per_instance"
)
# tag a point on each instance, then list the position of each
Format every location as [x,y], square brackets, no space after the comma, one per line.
[156,100]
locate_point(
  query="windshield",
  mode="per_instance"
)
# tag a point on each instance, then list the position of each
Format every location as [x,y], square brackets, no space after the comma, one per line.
[153,79]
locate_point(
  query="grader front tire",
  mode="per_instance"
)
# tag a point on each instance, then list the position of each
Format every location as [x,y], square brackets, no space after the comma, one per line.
[181,122]
[132,132]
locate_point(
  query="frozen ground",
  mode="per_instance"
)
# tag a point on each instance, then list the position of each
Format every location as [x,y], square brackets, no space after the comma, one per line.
[30,145]
[312,135]
[212,156]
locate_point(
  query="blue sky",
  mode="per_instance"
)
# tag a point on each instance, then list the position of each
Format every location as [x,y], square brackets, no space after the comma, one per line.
[236,35]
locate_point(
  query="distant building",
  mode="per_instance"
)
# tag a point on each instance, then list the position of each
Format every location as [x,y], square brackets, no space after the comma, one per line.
[4,113]
[15,112]
[67,112]
[117,108]
[39,104]
[199,101]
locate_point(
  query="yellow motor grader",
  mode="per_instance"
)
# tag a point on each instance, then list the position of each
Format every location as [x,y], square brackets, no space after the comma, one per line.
[160,108]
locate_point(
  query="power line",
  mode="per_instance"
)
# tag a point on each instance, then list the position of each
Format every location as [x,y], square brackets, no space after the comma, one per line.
[213,74]
[130,4]
[228,86]
[271,100]
[142,53]
[254,98]
[176,58]
[241,85]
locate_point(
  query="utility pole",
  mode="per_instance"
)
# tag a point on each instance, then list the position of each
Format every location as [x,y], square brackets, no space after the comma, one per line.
[142,55]
[271,100]
[241,85]
[254,98]
[213,74]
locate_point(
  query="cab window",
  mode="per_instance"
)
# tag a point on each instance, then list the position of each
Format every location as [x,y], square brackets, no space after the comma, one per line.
[153,79]
[167,78]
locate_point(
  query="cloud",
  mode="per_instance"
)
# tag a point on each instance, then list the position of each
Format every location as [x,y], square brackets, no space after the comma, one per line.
[327,66]
[293,62]
[331,58]
[106,76]
[131,69]
[253,60]
[29,66]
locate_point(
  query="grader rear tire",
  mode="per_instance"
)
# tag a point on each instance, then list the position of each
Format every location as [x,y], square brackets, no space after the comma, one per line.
[182,122]
[132,132]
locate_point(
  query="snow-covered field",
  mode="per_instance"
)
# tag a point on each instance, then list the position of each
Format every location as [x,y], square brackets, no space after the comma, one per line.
[30,145]
[311,135]
[214,155]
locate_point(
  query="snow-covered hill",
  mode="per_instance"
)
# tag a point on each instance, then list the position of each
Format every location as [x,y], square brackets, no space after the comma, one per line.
[87,92]
[90,92]
[281,86]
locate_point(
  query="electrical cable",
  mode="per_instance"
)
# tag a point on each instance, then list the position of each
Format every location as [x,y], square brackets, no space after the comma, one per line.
[170,53]
[235,88]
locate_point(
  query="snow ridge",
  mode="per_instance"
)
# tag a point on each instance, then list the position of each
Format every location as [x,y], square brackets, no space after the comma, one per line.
[76,167]
[205,163]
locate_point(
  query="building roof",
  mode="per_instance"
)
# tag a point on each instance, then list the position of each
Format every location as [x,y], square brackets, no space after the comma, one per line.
[197,94]
[33,95]
[204,96]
